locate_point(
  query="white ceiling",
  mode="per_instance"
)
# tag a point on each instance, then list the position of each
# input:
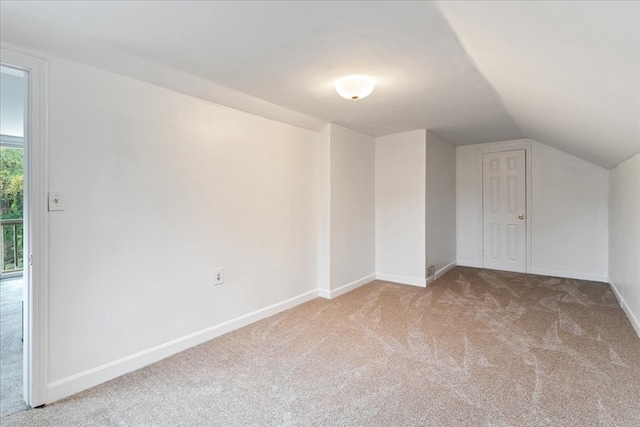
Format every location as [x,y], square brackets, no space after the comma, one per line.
[563,73]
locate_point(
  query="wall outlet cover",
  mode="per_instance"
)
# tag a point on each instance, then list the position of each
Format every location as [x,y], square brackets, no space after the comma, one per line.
[218,276]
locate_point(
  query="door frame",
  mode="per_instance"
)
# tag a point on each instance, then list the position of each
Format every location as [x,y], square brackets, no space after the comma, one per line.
[36,250]
[497,148]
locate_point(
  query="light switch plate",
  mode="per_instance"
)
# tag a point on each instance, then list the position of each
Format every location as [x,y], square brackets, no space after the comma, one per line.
[218,278]
[56,201]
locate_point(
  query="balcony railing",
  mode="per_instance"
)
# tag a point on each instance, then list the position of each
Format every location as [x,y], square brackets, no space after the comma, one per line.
[12,245]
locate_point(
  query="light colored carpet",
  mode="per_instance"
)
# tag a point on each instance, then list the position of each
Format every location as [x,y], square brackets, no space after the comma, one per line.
[11,347]
[475,348]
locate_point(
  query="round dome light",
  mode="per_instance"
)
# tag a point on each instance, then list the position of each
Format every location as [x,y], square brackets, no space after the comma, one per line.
[355,87]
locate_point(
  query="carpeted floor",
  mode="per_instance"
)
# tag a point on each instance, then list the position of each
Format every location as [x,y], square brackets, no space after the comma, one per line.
[11,347]
[475,348]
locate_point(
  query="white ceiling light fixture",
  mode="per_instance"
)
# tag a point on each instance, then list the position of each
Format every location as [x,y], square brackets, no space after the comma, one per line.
[355,87]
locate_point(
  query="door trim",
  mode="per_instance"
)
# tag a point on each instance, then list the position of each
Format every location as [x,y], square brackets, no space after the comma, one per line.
[36,270]
[529,218]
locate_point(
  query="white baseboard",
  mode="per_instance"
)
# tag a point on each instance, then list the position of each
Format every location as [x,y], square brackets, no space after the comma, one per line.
[329,294]
[625,307]
[446,268]
[414,281]
[570,275]
[545,272]
[92,377]
[466,263]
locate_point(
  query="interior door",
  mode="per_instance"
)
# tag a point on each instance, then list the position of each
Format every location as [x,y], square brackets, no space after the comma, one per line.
[503,211]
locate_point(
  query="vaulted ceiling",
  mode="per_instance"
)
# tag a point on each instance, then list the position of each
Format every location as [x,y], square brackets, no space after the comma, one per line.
[562,73]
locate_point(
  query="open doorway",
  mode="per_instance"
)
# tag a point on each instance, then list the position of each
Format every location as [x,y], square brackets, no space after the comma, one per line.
[30,252]
[13,101]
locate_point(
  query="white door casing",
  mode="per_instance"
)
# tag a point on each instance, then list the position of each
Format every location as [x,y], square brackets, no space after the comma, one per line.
[36,228]
[504,210]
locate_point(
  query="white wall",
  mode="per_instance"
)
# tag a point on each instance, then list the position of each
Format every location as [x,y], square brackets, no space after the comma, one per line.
[400,207]
[161,188]
[352,209]
[624,236]
[324,211]
[440,202]
[569,216]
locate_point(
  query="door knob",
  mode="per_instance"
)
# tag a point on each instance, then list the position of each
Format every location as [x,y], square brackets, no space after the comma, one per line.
[521,216]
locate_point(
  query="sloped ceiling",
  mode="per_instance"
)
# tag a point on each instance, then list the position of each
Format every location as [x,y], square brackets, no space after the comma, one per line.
[563,73]
[567,72]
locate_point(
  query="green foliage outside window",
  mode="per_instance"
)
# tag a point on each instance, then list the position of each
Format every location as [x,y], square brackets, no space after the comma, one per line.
[11,206]
[11,183]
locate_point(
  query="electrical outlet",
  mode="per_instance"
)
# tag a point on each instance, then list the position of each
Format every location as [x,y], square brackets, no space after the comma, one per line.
[431,271]
[218,276]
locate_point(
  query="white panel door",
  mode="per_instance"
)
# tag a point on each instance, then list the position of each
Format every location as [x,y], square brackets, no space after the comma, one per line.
[503,211]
